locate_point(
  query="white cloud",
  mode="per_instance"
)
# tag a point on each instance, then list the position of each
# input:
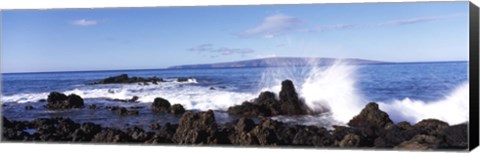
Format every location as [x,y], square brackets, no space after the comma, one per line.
[84,22]
[272,26]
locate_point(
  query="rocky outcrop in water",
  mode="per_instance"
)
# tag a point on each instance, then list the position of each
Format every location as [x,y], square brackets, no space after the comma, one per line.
[123,78]
[371,115]
[163,105]
[267,105]
[58,100]
[133,99]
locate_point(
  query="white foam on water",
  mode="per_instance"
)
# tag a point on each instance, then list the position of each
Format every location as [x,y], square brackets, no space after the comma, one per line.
[333,90]
[191,97]
[453,108]
[330,90]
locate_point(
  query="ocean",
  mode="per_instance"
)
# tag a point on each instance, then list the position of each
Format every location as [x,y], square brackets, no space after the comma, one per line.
[406,91]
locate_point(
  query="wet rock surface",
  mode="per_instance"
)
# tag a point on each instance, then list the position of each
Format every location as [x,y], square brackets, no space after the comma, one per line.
[267,104]
[163,105]
[123,78]
[371,115]
[58,100]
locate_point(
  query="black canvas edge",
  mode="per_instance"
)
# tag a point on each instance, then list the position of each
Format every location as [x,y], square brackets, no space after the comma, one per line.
[474,77]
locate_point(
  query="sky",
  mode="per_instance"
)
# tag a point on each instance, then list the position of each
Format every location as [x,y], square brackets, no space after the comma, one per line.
[150,38]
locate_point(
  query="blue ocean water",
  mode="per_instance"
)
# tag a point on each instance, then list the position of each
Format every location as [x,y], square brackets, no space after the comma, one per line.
[220,88]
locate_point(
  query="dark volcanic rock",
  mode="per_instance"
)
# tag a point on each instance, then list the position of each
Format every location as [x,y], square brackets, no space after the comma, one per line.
[391,137]
[177,109]
[371,116]
[197,128]
[58,100]
[267,105]
[313,136]
[163,134]
[246,109]
[123,78]
[134,99]
[42,100]
[431,126]
[6,122]
[241,132]
[183,79]
[350,140]
[265,132]
[456,137]
[421,142]
[160,105]
[290,104]
[111,136]
[86,132]
[139,135]
[404,125]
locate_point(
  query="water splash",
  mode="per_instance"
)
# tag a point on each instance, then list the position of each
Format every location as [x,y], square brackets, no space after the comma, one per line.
[333,90]
[453,108]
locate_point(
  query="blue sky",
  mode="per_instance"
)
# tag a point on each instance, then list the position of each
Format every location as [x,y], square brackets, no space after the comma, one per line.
[143,38]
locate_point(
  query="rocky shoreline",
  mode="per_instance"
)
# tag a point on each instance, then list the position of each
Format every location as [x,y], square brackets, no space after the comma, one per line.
[371,128]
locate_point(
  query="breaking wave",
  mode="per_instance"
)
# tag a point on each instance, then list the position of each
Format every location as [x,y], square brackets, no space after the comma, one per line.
[325,90]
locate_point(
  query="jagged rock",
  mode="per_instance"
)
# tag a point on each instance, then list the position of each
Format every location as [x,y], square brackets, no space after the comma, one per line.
[164,134]
[111,136]
[350,140]
[313,136]
[86,132]
[404,125]
[420,142]
[246,109]
[241,134]
[133,99]
[177,109]
[371,115]
[391,137]
[197,128]
[290,104]
[160,105]
[431,126]
[267,105]
[456,137]
[123,78]
[58,100]
[183,79]
[139,135]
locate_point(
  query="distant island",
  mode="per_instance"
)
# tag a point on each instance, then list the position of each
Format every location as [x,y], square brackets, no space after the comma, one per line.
[277,62]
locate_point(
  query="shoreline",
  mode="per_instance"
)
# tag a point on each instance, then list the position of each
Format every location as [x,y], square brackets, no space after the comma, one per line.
[370,128]
[201,128]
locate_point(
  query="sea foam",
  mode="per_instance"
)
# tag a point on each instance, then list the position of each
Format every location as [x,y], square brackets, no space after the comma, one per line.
[333,90]
[328,90]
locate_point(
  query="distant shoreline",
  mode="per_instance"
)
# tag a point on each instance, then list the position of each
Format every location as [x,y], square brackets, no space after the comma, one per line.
[169,68]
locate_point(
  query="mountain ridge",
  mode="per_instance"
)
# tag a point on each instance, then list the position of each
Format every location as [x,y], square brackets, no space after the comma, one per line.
[277,62]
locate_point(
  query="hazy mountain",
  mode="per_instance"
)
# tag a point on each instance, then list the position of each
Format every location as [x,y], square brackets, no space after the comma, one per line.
[277,62]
